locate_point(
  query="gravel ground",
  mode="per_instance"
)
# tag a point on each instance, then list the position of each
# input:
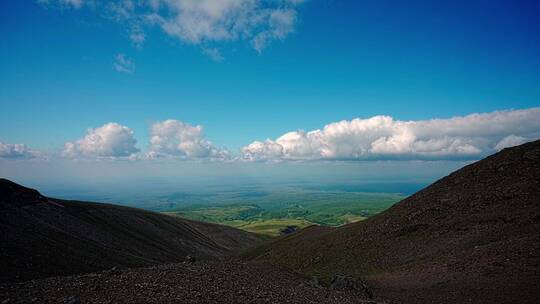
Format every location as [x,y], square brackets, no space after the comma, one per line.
[201,282]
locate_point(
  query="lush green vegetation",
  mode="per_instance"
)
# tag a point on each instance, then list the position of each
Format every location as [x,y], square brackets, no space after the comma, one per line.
[269,211]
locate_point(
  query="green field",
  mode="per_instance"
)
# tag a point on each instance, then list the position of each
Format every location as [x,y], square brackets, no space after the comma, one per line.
[268,212]
[270,227]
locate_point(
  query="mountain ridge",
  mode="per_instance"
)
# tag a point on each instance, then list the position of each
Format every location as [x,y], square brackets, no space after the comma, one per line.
[47,237]
[470,237]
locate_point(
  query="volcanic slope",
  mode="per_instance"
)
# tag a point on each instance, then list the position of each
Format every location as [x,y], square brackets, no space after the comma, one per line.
[42,237]
[181,283]
[471,237]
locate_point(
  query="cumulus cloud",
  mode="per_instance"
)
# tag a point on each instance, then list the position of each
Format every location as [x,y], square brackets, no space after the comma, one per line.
[123,64]
[18,151]
[510,141]
[108,141]
[203,22]
[382,137]
[207,21]
[173,138]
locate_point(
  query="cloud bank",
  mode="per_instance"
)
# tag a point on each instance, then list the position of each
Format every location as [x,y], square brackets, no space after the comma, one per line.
[108,141]
[201,22]
[18,151]
[382,137]
[377,138]
[173,138]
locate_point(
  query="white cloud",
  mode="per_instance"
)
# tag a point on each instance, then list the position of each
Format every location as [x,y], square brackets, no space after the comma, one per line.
[18,151]
[281,22]
[108,141]
[382,137]
[206,21]
[74,3]
[137,37]
[173,138]
[213,53]
[121,10]
[510,141]
[203,22]
[64,3]
[123,64]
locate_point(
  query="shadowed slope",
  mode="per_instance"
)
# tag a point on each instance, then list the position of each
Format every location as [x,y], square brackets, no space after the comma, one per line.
[469,237]
[44,237]
[201,282]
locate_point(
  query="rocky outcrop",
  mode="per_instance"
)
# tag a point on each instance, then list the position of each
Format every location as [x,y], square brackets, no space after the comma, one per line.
[346,282]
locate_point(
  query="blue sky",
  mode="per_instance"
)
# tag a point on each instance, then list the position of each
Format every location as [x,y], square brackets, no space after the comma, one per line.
[213,80]
[345,59]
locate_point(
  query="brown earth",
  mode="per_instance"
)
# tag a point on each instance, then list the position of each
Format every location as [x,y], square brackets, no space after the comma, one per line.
[471,237]
[201,282]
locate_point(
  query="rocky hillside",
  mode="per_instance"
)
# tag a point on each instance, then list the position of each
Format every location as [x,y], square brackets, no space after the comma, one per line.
[200,282]
[44,237]
[471,237]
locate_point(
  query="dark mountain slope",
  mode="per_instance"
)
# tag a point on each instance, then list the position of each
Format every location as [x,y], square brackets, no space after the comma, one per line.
[471,237]
[197,283]
[43,237]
